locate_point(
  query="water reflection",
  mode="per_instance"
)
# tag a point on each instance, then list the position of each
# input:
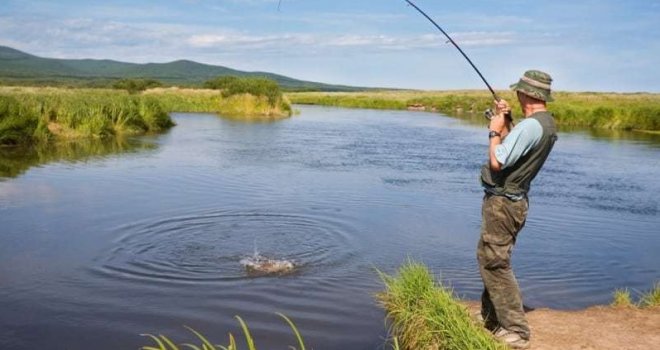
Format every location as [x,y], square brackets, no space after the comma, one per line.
[651,139]
[14,161]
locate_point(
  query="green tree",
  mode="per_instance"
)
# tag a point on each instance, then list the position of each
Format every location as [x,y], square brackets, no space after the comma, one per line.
[136,85]
[232,85]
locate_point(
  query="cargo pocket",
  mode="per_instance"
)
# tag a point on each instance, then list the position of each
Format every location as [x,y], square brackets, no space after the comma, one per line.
[500,224]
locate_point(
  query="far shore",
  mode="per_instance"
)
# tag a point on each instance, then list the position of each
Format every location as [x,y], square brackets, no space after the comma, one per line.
[615,111]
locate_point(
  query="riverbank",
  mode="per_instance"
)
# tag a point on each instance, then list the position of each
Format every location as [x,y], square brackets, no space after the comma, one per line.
[29,115]
[244,106]
[593,328]
[32,114]
[621,111]
[424,314]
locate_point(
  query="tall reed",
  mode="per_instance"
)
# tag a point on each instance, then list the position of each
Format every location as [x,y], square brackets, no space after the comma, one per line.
[30,114]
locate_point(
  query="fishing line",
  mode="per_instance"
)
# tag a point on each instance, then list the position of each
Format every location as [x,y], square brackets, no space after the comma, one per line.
[457,47]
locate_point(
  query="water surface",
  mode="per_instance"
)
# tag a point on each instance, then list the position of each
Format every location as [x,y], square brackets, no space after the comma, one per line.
[97,247]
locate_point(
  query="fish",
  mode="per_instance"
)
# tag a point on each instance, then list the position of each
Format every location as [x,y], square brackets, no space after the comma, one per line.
[258,265]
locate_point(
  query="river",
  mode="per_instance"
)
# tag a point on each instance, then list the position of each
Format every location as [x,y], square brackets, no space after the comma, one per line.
[100,243]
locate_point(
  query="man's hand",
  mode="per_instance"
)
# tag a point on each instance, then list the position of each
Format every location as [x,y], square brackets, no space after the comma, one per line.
[498,122]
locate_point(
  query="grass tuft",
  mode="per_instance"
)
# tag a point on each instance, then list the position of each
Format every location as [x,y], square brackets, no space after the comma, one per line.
[424,314]
[164,343]
[651,298]
[621,298]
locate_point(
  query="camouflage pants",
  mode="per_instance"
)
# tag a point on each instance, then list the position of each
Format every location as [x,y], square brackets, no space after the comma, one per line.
[501,301]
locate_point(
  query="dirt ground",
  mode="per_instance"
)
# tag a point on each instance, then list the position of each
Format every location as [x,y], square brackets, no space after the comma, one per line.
[597,328]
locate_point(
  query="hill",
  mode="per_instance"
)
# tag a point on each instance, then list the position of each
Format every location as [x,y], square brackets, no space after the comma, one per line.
[21,68]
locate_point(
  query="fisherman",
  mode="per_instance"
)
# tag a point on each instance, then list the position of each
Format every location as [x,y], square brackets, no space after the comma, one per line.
[515,157]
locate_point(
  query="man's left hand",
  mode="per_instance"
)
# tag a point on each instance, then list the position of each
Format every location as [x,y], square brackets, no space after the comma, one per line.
[498,122]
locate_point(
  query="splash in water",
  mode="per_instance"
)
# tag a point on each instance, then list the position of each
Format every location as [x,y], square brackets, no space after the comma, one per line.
[258,265]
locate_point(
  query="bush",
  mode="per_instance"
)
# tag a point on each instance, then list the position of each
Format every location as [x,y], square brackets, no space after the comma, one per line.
[231,85]
[134,86]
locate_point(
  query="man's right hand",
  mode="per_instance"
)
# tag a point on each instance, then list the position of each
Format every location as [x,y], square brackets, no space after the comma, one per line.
[499,122]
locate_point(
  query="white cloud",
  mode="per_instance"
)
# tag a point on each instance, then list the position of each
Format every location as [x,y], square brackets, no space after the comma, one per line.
[239,41]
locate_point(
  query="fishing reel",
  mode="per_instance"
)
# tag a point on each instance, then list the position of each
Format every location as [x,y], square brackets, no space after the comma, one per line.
[489,114]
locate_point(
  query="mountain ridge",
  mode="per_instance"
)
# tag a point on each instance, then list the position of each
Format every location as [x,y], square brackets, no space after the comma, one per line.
[19,67]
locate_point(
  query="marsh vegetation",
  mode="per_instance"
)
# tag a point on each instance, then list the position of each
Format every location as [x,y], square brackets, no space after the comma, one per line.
[33,114]
[29,115]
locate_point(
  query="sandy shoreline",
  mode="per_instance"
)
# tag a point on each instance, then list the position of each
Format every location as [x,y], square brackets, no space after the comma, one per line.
[597,328]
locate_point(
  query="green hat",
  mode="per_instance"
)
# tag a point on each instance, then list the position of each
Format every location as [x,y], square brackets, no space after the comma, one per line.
[535,84]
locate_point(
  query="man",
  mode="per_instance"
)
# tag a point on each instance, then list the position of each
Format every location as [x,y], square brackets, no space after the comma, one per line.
[515,157]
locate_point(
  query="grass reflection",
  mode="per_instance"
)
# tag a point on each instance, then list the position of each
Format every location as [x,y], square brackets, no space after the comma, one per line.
[14,161]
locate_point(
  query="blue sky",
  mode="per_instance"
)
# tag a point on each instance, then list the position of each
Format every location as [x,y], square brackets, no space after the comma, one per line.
[588,45]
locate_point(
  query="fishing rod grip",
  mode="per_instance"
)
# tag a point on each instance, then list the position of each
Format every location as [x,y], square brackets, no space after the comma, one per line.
[489,112]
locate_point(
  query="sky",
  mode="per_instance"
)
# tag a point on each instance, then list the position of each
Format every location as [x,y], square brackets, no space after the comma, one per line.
[586,45]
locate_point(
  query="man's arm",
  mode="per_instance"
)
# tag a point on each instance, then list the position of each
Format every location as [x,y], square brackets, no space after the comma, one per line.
[494,163]
[500,125]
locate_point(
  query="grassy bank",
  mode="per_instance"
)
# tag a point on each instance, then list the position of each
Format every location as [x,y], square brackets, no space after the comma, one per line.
[596,110]
[243,105]
[40,114]
[426,315]
[29,115]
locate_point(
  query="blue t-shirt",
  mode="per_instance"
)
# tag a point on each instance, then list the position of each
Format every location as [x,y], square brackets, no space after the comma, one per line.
[524,136]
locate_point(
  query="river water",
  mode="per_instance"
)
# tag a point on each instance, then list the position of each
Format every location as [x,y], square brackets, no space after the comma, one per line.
[100,242]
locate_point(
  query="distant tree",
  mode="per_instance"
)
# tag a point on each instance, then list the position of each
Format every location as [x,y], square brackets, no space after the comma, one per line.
[136,85]
[232,85]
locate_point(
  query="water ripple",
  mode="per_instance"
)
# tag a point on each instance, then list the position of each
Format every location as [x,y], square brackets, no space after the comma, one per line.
[208,246]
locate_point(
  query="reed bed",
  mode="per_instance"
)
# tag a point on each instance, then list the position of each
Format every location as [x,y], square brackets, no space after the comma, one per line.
[424,314]
[165,343]
[639,111]
[31,114]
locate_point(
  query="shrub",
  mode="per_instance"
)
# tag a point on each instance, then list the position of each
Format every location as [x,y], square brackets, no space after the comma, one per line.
[136,85]
[231,85]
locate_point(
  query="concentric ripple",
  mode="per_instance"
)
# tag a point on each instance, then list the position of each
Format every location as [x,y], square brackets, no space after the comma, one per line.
[209,246]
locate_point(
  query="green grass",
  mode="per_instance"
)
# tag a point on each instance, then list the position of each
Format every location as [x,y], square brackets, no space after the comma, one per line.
[163,342]
[623,298]
[652,297]
[585,109]
[29,115]
[424,314]
[243,105]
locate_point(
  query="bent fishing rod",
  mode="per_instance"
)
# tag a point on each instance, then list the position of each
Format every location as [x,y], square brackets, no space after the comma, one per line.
[488,113]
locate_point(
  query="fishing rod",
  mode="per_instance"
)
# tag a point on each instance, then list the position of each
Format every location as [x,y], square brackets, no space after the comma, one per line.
[488,114]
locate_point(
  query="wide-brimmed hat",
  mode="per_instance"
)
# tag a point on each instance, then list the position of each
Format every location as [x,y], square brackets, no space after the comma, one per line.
[535,84]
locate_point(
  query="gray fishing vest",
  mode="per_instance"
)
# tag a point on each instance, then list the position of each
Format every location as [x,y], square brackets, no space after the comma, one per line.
[515,179]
